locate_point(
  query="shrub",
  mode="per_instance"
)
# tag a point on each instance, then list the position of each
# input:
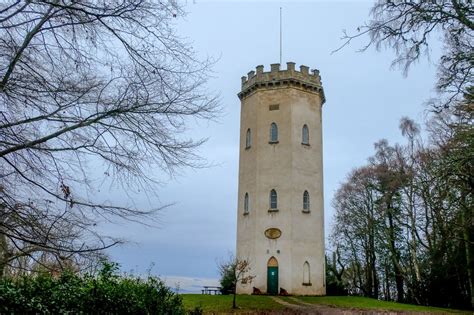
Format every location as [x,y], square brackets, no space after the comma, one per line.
[228,278]
[106,292]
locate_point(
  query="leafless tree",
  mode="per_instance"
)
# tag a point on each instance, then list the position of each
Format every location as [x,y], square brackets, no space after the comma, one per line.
[89,90]
[407,216]
[233,272]
[409,28]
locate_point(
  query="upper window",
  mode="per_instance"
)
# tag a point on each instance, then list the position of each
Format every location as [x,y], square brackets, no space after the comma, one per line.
[306,207]
[273,199]
[273,133]
[246,203]
[248,139]
[305,139]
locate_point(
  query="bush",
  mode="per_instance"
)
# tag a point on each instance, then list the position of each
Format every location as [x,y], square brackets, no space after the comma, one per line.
[228,279]
[196,311]
[106,292]
[334,283]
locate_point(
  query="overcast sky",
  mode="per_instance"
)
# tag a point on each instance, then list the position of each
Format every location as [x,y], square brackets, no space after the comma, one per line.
[365,100]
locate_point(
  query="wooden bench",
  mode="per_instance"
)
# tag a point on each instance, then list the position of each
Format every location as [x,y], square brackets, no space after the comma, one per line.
[210,290]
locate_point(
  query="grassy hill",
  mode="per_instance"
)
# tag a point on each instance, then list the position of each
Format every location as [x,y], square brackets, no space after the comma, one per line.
[223,303]
[248,303]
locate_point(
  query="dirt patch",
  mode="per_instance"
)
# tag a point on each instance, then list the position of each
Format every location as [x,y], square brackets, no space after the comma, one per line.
[304,308]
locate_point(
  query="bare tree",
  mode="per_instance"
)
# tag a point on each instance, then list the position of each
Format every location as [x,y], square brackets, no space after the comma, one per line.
[411,209]
[89,89]
[409,28]
[356,228]
[233,272]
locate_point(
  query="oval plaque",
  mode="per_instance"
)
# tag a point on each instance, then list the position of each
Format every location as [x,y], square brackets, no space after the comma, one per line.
[272,233]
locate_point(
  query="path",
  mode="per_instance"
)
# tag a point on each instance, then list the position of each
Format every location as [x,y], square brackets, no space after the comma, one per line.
[304,308]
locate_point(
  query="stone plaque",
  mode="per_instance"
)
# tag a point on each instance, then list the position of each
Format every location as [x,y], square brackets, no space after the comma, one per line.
[273,233]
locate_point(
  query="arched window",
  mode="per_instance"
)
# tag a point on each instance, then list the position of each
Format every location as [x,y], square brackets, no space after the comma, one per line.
[248,139]
[305,139]
[306,278]
[246,203]
[306,201]
[273,199]
[273,133]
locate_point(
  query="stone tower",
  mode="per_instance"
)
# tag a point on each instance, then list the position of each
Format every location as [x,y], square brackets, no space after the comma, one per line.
[280,216]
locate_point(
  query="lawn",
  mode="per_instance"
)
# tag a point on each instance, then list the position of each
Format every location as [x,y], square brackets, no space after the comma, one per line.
[223,303]
[372,304]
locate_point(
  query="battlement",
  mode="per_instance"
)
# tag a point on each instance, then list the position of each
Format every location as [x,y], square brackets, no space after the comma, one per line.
[277,78]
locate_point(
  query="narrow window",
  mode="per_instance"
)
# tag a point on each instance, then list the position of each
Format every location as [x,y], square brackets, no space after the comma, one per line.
[248,139]
[305,135]
[273,199]
[246,203]
[306,201]
[273,133]
[306,278]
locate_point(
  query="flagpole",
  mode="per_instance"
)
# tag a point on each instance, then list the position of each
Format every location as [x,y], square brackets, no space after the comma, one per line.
[280,35]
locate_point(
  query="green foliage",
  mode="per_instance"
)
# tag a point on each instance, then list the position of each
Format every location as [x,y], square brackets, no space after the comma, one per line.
[196,311]
[228,278]
[333,285]
[334,282]
[106,292]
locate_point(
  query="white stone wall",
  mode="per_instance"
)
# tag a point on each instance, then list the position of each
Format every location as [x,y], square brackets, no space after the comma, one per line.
[290,168]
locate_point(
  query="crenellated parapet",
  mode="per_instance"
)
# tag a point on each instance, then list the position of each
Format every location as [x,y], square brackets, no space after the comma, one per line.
[303,79]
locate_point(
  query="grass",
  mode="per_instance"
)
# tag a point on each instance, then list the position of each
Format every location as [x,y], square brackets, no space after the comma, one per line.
[373,304]
[223,303]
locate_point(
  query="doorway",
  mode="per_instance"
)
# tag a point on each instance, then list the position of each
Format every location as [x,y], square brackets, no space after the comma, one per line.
[272,276]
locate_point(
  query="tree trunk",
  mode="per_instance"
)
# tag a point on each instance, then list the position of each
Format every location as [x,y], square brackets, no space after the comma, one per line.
[3,255]
[388,296]
[395,257]
[468,230]
[234,305]
[373,270]
[372,257]
[369,280]
[399,283]
[375,278]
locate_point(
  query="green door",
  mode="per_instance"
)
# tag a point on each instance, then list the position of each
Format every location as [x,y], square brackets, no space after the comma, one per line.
[272,280]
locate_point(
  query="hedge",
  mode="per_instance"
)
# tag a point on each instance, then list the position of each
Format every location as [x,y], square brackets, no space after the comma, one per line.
[104,293]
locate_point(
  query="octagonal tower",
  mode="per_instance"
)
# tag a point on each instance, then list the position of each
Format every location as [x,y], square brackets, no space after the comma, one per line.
[280,217]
